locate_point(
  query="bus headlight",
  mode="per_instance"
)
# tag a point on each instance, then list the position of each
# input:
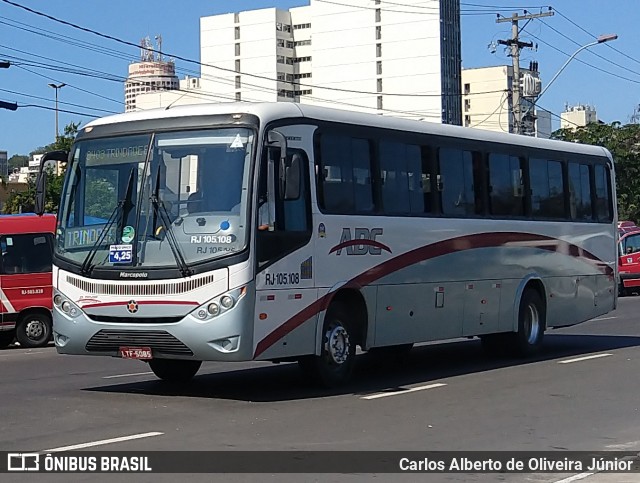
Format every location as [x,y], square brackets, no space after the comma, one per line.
[227,301]
[66,306]
[220,304]
[214,309]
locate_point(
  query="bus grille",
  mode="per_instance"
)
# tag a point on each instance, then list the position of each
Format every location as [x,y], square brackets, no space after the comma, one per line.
[139,288]
[136,320]
[161,342]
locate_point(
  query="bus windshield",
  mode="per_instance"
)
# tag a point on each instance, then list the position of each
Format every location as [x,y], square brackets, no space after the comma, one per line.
[156,200]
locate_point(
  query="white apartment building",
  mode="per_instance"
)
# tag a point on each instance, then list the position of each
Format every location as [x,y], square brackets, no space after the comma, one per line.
[577,116]
[487,102]
[366,56]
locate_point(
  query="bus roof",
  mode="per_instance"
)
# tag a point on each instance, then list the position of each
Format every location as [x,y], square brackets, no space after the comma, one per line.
[27,223]
[270,111]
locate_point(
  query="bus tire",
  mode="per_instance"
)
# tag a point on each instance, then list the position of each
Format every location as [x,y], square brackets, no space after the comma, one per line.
[34,329]
[334,365]
[174,370]
[6,338]
[532,316]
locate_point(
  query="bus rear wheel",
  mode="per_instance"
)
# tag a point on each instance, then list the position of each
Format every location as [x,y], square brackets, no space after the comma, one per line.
[174,370]
[334,365]
[531,324]
[34,330]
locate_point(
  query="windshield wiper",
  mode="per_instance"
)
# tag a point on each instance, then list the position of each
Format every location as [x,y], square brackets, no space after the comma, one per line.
[123,206]
[160,209]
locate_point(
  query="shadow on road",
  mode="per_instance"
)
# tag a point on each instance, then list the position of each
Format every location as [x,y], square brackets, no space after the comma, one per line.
[423,365]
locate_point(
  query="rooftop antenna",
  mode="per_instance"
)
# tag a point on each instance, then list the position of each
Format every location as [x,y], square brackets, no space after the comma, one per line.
[159,47]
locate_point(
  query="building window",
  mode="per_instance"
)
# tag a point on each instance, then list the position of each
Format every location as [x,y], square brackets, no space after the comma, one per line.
[283,27]
[289,44]
[301,42]
[379,102]
[279,42]
[302,26]
[289,77]
[305,75]
[280,59]
[237,49]
[236,18]
[378,32]
[237,65]
[378,15]
[281,76]
[467,121]
[304,92]
[238,96]
[379,67]
[237,82]
[297,60]
[379,85]
[237,33]
[378,50]
[467,89]
[467,104]
[289,60]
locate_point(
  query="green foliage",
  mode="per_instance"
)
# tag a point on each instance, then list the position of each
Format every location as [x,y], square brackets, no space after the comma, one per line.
[24,202]
[17,161]
[623,141]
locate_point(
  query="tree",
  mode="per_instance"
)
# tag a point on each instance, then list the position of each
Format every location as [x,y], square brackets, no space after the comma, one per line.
[17,161]
[25,201]
[623,141]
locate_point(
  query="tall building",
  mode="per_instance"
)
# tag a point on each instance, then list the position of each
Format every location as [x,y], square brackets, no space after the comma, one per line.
[577,116]
[4,164]
[365,56]
[487,103]
[151,74]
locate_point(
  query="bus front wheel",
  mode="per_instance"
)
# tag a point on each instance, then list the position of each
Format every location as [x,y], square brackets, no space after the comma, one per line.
[34,330]
[174,370]
[334,365]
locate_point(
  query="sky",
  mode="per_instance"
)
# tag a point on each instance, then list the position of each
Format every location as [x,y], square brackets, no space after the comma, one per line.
[606,76]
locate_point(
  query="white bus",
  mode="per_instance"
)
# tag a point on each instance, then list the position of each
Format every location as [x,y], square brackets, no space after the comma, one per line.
[236,232]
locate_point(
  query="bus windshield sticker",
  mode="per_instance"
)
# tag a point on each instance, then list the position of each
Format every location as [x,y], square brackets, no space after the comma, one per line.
[128,234]
[120,253]
[237,142]
[9,241]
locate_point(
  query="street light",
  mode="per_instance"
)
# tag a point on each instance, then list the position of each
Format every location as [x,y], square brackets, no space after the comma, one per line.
[56,87]
[600,40]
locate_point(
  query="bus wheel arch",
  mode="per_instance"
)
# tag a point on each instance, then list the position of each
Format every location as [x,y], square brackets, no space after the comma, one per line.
[34,327]
[342,328]
[531,318]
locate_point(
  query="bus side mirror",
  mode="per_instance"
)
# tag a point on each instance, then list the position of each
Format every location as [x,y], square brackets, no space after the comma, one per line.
[291,188]
[41,181]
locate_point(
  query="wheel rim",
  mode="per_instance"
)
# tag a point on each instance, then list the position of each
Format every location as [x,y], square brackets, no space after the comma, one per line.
[338,345]
[532,323]
[35,329]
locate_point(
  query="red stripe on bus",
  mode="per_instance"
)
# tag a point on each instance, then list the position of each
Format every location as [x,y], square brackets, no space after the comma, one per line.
[142,302]
[445,247]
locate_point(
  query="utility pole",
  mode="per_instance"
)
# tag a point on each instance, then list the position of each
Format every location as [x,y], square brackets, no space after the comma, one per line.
[516,46]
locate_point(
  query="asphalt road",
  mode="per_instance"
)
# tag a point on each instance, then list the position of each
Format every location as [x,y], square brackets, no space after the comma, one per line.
[581,393]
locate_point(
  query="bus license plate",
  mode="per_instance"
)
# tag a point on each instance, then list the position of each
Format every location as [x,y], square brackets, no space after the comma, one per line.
[136,353]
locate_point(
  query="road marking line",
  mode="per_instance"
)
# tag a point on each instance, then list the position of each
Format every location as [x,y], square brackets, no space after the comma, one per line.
[403,391]
[102,442]
[579,476]
[128,375]
[606,318]
[585,358]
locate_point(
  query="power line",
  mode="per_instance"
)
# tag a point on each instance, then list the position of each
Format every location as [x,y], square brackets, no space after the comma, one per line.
[581,61]
[61,102]
[595,37]
[201,64]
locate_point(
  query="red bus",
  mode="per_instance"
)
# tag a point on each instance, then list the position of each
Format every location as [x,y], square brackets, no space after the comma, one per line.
[25,279]
[628,258]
